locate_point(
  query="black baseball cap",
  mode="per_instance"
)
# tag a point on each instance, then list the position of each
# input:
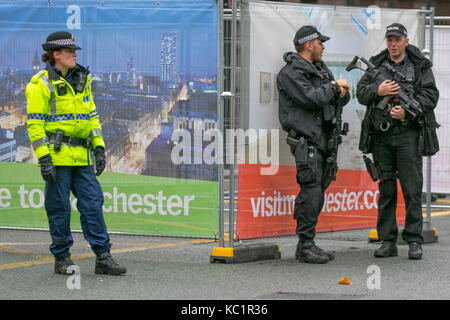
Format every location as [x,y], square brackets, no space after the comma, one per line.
[309,33]
[60,39]
[396,29]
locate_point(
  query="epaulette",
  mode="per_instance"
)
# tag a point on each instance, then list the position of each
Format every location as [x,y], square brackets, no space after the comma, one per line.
[37,76]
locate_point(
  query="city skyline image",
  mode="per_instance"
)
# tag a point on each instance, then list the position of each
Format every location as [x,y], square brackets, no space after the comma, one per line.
[145,68]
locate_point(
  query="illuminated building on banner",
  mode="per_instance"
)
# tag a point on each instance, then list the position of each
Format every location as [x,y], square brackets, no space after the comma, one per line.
[168,57]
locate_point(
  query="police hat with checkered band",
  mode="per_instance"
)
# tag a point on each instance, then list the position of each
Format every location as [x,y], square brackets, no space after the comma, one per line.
[60,39]
[309,33]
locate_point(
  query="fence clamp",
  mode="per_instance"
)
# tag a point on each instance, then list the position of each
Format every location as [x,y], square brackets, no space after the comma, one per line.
[227,94]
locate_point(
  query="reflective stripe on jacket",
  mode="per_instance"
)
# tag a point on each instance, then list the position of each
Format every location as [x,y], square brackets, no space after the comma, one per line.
[72,112]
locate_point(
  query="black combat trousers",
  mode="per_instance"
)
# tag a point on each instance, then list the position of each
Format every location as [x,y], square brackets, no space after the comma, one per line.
[310,200]
[396,156]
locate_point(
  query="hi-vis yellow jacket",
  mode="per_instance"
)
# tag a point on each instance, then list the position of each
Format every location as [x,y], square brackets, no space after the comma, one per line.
[73,113]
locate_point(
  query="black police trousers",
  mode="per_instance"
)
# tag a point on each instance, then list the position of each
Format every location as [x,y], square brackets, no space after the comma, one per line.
[395,155]
[310,200]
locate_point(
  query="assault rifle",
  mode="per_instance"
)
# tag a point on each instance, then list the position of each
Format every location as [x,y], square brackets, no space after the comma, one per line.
[339,129]
[405,95]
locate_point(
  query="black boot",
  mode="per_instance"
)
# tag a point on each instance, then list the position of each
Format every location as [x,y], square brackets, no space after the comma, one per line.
[310,253]
[329,254]
[387,249]
[415,251]
[61,265]
[104,264]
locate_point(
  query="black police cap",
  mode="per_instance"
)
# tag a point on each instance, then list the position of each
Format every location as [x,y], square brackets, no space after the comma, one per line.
[396,29]
[60,39]
[309,33]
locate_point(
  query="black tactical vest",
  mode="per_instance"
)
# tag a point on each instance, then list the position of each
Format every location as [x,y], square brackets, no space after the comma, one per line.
[328,112]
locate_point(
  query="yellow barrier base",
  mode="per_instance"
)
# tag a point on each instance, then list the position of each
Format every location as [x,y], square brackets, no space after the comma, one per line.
[373,236]
[429,236]
[245,253]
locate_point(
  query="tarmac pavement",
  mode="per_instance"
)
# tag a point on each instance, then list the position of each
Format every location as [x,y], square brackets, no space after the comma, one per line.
[178,268]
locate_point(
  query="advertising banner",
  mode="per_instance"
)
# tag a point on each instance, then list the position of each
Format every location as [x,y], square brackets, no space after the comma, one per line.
[266,206]
[133,203]
[154,81]
[270,27]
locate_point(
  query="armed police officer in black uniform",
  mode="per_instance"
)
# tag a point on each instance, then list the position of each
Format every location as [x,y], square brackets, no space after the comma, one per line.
[394,136]
[307,110]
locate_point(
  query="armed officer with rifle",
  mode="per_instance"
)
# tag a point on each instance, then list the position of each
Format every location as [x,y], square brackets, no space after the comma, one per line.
[399,128]
[310,108]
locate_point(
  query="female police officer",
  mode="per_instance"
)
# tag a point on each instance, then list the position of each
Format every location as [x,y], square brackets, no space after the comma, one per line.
[63,125]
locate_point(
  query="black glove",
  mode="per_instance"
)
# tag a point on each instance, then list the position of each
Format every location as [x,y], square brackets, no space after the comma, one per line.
[48,170]
[100,160]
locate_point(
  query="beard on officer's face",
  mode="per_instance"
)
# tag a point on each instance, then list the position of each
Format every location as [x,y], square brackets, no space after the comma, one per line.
[317,50]
[317,54]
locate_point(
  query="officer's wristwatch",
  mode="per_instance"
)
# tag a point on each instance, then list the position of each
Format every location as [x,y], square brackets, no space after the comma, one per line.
[335,86]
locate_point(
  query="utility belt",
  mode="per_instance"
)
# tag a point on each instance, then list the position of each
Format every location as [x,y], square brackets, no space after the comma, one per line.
[397,129]
[310,158]
[383,122]
[57,139]
[294,138]
[394,127]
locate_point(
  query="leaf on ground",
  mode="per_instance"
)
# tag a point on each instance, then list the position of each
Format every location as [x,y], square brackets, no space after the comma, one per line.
[345,281]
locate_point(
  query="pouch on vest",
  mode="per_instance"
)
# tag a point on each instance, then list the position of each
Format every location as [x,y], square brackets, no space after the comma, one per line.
[312,157]
[329,112]
[365,138]
[428,140]
[301,153]
[58,140]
